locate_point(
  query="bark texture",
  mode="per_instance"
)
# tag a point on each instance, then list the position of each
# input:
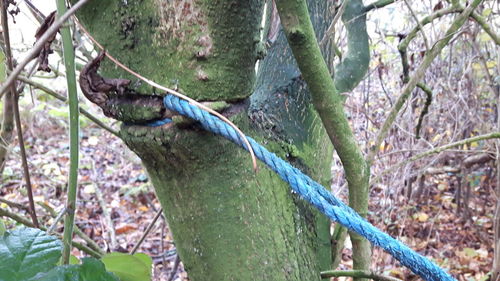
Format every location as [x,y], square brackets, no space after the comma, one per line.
[329,104]
[228,222]
[205,48]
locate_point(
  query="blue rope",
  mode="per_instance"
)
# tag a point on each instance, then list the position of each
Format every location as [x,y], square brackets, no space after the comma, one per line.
[158,123]
[313,192]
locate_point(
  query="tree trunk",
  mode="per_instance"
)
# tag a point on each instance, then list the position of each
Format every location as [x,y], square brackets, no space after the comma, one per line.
[228,222]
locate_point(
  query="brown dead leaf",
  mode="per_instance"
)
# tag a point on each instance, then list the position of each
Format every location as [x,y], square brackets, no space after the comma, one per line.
[438,6]
[125,228]
[96,87]
[43,56]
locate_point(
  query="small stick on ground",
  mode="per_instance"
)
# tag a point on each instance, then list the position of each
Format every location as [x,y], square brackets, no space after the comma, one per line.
[174,269]
[146,232]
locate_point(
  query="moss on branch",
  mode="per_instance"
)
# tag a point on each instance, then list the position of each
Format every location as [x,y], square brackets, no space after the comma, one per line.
[328,102]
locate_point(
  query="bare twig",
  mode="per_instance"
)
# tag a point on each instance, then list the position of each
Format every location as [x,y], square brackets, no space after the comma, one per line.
[39,45]
[146,232]
[378,4]
[14,204]
[25,222]
[162,245]
[17,118]
[436,150]
[56,220]
[425,110]
[63,99]
[174,269]
[91,243]
[496,219]
[414,15]
[419,73]
[329,31]
[35,11]
[16,217]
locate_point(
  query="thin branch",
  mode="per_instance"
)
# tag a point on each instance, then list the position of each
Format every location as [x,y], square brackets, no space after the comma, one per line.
[421,28]
[7,125]
[25,222]
[378,4]
[91,243]
[174,268]
[495,135]
[86,249]
[403,45]
[14,204]
[17,218]
[17,118]
[39,45]
[425,110]
[146,232]
[162,245]
[357,274]
[63,99]
[482,22]
[495,270]
[419,73]
[57,219]
[329,31]
[39,16]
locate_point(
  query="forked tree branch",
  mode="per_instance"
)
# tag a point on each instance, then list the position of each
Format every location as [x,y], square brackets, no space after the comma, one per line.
[419,73]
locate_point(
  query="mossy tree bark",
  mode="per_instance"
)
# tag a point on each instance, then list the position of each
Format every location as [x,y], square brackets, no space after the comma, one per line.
[329,103]
[228,222]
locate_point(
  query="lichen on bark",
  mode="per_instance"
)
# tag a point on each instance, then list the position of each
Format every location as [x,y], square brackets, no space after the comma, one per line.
[228,222]
[205,48]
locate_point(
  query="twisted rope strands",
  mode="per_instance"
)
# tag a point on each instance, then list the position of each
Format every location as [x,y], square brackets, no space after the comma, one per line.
[316,194]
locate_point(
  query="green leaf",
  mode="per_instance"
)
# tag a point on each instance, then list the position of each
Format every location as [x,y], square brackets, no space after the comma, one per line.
[59,112]
[90,270]
[135,267]
[24,252]
[486,12]
[73,260]
[470,252]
